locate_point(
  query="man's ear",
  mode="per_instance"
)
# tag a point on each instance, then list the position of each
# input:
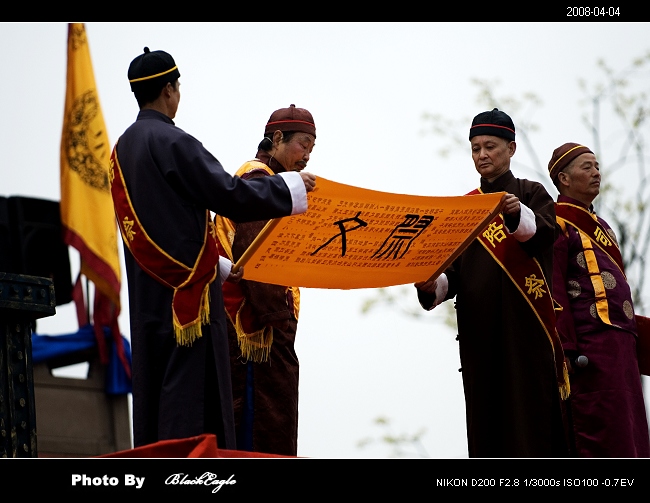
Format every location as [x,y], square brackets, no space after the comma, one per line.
[168,90]
[512,146]
[563,178]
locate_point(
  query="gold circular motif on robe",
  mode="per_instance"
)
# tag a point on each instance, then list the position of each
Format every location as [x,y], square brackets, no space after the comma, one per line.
[608,280]
[593,311]
[611,234]
[580,259]
[574,289]
[628,309]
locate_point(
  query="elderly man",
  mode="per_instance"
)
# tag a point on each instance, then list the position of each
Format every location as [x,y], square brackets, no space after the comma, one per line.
[512,362]
[597,323]
[263,318]
[165,186]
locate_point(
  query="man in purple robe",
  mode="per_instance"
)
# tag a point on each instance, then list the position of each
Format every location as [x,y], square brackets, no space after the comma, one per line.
[596,323]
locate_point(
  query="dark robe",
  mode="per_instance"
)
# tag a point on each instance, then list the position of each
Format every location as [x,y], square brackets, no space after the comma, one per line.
[607,409]
[512,400]
[265,393]
[172,179]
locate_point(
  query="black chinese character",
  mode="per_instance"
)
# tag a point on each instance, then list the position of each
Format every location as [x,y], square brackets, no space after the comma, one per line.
[341,224]
[398,242]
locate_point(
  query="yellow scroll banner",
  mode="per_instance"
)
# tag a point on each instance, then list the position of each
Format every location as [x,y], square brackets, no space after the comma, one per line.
[352,237]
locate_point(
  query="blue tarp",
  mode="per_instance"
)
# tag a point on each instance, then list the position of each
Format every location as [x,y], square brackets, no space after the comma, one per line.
[45,347]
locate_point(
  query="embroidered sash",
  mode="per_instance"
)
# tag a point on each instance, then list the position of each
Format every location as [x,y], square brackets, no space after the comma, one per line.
[191,302]
[592,233]
[586,222]
[527,275]
[255,343]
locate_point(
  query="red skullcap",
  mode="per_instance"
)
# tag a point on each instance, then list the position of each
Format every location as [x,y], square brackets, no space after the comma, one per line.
[291,119]
[563,155]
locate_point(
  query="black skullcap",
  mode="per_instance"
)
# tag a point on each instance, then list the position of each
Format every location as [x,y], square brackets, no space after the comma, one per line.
[152,68]
[493,123]
[291,119]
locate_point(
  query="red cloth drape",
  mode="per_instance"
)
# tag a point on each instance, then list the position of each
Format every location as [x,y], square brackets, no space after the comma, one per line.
[201,446]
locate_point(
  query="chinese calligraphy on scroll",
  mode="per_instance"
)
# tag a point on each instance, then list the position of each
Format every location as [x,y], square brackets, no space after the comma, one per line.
[352,237]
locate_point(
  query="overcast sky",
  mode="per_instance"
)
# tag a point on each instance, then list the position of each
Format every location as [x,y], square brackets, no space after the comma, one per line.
[368,86]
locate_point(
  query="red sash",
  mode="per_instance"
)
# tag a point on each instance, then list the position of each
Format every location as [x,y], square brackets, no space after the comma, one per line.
[581,219]
[254,341]
[190,304]
[527,275]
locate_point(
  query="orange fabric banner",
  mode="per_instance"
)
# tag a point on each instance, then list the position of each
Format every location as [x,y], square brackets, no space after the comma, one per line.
[87,214]
[352,237]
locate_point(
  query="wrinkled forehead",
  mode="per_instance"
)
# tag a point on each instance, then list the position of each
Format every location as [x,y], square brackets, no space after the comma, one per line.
[485,139]
[587,159]
[304,137]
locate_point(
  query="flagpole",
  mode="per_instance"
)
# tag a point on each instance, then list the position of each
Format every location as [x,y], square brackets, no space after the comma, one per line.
[270,225]
[88,299]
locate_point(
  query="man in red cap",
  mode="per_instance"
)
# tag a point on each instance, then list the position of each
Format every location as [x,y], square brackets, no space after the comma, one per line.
[165,185]
[597,324]
[263,318]
[512,364]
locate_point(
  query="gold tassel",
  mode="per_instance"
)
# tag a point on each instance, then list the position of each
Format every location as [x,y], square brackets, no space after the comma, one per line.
[565,389]
[257,352]
[185,336]
[205,306]
[255,346]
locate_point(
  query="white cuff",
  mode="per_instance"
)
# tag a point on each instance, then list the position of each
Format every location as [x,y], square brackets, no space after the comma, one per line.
[297,189]
[442,287]
[527,226]
[225,266]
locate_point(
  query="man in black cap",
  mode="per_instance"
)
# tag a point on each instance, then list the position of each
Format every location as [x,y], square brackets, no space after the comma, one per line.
[263,318]
[165,185]
[512,363]
[597,324]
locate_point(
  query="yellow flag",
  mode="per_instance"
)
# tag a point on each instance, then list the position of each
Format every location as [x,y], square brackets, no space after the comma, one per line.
[351,237]
[87,213]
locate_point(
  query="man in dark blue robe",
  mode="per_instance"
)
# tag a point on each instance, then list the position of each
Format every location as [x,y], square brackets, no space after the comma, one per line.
[171,184]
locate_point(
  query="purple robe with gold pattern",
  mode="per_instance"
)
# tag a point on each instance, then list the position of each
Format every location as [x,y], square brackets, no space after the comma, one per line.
[607,410]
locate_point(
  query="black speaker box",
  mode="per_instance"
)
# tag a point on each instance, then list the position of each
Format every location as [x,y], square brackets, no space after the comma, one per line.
[37,244]
[6,252]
